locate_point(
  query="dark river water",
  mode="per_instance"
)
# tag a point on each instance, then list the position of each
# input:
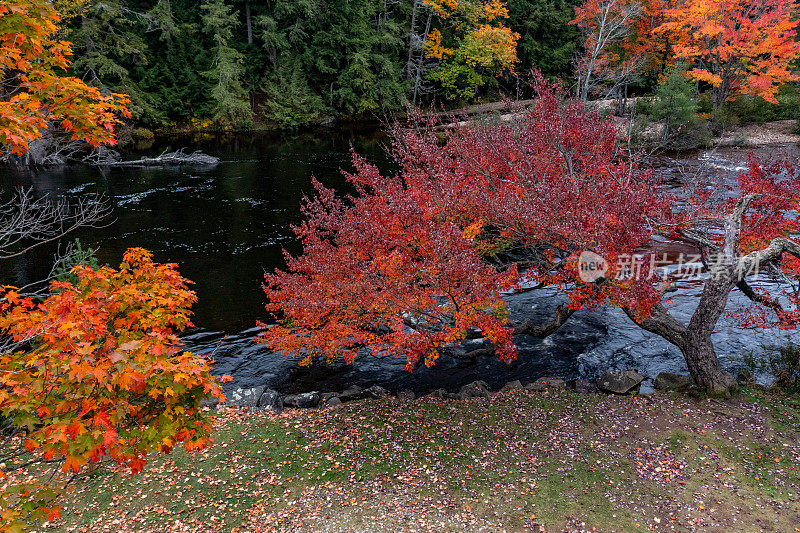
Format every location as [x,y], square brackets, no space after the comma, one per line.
[226,224]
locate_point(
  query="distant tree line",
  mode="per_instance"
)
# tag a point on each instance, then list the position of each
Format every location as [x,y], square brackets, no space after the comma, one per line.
[290,63]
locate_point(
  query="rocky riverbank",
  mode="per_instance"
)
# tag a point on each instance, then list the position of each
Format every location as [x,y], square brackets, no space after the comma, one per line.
[262,398]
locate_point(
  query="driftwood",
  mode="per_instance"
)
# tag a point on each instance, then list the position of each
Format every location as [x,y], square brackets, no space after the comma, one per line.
[111,158]
[57,150]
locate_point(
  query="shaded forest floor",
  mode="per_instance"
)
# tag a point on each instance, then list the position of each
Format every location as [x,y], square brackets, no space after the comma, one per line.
[522,460]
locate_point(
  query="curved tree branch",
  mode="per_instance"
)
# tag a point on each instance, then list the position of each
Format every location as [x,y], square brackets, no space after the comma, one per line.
[772,254]
[528,328]
[662,323]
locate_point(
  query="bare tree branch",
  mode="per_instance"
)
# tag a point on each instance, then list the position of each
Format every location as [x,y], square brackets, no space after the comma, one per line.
[27,222]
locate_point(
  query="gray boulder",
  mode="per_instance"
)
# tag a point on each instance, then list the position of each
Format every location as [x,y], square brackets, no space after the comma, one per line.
[476,389]
[582,386]
[619,382]
[333,402]
[376,391]
[670,381]
[304,400]
[271,401]
[443,394]
[328,396]
[246,397]
[546,383]
[351,393]
[512,385]
[406,395]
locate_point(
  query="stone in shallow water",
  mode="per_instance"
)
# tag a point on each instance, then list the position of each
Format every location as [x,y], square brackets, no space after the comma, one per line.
[619,382]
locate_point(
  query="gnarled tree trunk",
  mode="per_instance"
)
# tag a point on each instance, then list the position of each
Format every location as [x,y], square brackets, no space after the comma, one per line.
[704,366]
[694,342]
[728,270]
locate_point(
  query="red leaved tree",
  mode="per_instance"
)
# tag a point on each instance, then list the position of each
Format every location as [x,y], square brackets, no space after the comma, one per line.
[416,262]
[95,372]
[745,234]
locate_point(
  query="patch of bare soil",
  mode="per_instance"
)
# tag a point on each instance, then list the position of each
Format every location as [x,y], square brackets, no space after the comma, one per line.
[766,134]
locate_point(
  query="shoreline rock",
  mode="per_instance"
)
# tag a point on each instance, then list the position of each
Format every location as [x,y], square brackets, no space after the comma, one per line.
[546,383]
[619,382]
[671,381]
[476,389]
[304,400]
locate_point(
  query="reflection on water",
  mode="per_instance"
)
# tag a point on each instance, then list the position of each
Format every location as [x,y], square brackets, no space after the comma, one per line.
[225,225]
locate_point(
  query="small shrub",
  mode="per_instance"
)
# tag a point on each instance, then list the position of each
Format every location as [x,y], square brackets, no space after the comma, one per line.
[783,363]
[670,117]
[77,256]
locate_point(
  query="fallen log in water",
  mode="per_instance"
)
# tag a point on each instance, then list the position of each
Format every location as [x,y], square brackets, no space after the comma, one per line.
[112,158]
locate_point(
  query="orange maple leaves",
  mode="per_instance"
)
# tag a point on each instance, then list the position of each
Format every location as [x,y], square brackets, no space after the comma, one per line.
[737,46]
[32,63]
[99,372]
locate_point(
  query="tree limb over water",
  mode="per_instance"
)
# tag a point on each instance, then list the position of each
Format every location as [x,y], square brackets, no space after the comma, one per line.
[27,222]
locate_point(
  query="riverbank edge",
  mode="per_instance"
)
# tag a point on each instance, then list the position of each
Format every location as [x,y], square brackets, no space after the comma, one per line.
[611,382]
[748,134]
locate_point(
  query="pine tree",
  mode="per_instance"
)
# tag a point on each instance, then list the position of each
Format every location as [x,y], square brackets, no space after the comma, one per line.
[675,104]
[231,105]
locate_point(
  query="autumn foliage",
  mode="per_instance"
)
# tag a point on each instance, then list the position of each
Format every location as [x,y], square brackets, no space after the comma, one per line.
[35,92]
[96,373]
[771,193]
[471,44]
[418,261]
[737,47]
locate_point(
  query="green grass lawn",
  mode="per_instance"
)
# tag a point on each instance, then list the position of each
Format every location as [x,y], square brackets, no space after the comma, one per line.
[540,461]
